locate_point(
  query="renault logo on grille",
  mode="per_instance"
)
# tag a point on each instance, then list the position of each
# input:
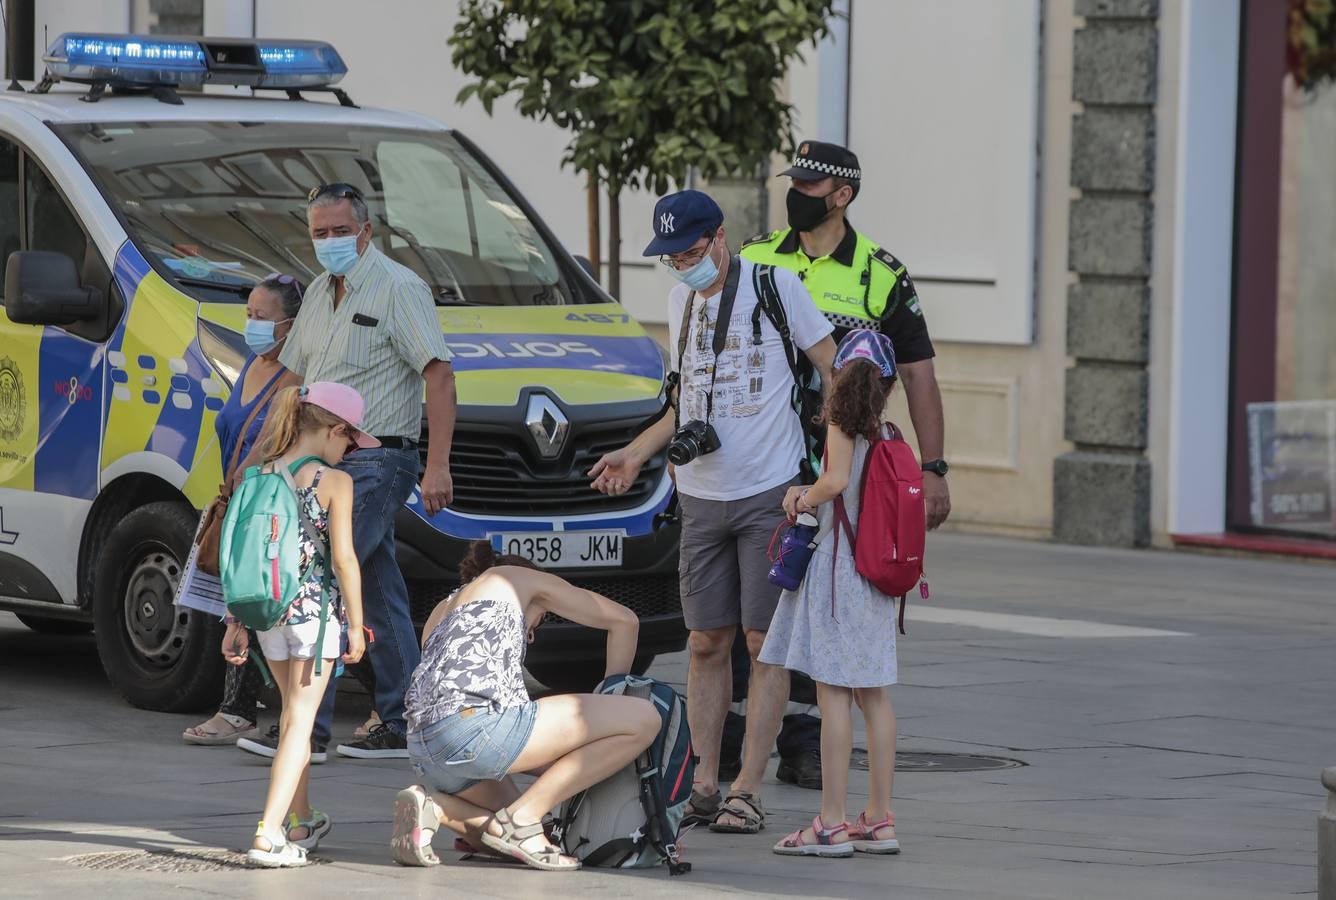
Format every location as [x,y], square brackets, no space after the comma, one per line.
[548,425]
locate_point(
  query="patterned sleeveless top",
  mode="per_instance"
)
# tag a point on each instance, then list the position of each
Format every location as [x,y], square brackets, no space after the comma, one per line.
[473,658]
[306,606]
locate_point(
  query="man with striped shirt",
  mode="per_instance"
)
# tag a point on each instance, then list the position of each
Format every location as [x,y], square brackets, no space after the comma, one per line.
[370,323]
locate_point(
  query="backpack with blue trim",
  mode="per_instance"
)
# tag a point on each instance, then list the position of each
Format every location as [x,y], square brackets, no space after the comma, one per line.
[631,819]
[259,556]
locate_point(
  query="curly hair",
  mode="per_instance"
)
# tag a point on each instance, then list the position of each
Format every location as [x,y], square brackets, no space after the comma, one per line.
[856,399]
[481,556]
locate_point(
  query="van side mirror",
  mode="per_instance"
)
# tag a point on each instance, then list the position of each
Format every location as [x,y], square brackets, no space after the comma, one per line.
[587,266]
[42,288]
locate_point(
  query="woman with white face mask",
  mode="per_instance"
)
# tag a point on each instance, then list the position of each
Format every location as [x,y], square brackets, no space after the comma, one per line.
[270,309]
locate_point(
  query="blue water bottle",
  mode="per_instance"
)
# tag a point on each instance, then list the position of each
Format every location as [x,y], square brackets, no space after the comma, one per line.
[795,552]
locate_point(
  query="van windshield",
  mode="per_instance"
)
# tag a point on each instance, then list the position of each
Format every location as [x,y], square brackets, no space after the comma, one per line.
[220,205]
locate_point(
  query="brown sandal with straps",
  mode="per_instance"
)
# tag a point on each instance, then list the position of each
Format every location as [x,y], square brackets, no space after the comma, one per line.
[511,842]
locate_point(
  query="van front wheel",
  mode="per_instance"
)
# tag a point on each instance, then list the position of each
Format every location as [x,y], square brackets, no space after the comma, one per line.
[158,656]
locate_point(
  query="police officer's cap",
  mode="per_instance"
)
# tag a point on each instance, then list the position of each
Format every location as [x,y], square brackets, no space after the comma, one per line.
[680,219]
[816,160]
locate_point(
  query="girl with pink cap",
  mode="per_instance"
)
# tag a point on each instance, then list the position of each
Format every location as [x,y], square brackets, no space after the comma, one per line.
[309,429]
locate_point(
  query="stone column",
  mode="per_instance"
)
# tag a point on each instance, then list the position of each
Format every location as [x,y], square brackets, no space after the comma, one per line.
[1326,840]
[1101,490]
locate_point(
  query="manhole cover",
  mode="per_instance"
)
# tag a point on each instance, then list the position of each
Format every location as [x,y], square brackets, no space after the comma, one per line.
[928,761]
[185,860]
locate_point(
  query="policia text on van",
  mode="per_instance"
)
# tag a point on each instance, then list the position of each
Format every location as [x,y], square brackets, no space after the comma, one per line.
[116,353]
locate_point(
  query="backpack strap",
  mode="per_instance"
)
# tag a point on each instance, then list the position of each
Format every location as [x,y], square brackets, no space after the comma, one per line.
[261,402]
[769,302]
[659,831]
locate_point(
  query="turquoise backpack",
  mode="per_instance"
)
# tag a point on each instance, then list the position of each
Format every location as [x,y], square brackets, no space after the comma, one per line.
[259,556]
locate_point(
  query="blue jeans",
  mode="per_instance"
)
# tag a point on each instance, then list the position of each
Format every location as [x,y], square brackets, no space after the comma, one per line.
[383,479]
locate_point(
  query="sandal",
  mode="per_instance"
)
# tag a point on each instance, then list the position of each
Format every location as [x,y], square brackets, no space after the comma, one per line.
[701,809]
[794,845]
[364,730]
[752,815]
[281,854]
[415,824]
[316,827]
[864,835]
[511,842]
[219,730]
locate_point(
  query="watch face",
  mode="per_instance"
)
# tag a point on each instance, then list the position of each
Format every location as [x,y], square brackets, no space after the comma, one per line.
[937,467]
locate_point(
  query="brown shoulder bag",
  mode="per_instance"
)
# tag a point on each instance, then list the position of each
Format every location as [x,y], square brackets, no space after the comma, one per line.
[211,529]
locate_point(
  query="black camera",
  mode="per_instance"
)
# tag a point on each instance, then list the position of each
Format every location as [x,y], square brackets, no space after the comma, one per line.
[696,438]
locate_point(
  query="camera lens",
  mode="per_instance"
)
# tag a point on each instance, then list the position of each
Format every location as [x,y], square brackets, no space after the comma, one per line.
[682,450]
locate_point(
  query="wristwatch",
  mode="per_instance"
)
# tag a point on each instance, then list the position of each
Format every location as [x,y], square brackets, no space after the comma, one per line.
[937,467]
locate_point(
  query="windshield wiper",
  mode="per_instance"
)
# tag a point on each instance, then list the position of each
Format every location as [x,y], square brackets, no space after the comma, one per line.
[265,237]
[240,289]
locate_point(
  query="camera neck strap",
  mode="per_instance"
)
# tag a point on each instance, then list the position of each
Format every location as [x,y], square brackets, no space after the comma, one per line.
[727,299]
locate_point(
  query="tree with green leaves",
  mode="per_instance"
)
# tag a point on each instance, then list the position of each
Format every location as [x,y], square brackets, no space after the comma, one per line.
[649,88]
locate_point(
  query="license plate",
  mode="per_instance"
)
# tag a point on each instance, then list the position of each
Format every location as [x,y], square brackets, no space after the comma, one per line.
[564,549]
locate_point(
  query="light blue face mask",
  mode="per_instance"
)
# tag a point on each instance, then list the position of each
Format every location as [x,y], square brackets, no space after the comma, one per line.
[260,335]
[337,254]
[702,274]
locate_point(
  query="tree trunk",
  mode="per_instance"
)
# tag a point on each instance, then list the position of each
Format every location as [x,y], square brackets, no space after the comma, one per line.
[595,226]
[614,241]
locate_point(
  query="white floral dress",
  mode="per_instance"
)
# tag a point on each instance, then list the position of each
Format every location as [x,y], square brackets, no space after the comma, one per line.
[837,627]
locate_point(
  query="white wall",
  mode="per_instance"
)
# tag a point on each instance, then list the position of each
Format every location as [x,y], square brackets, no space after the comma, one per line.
[944,111]
[1202,246]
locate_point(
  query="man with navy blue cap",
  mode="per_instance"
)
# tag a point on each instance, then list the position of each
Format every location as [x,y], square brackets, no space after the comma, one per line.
[737,444]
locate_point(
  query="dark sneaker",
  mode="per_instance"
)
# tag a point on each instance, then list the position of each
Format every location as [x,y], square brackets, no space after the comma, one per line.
[380,743]
[267,746]
[803,770]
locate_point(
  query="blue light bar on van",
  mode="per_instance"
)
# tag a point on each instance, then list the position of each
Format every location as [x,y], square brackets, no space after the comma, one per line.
[147,61]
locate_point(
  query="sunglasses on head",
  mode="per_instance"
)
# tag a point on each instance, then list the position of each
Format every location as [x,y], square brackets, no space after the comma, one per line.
[340,189]
[280,278]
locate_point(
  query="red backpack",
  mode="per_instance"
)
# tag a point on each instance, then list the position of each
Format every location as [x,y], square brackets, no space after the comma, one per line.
[892,525]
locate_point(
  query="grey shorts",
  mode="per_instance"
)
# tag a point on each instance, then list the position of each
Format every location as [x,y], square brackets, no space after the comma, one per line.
[723,563]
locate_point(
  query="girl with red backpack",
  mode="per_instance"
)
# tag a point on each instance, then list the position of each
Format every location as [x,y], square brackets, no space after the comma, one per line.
[838,627]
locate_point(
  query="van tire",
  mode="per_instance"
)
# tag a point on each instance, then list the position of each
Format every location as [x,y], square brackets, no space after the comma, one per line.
[159,657]
[580,677]
[44,625]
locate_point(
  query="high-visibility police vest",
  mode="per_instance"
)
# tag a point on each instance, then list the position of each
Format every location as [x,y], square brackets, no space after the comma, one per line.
[851,285]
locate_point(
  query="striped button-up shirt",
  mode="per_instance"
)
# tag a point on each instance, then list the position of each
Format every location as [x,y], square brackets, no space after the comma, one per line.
[378,341]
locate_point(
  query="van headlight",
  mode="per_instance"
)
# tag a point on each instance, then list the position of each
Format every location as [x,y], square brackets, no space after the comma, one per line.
[225,350]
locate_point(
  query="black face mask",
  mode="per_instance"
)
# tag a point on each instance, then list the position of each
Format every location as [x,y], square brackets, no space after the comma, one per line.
[805,211]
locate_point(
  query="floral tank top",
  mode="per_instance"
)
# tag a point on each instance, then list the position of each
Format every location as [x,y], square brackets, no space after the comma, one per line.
[306,606]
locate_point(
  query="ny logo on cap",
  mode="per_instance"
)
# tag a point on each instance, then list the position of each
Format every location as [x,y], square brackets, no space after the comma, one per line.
[666,223]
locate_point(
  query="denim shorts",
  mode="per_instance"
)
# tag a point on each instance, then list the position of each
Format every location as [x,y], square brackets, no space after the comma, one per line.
[471,746]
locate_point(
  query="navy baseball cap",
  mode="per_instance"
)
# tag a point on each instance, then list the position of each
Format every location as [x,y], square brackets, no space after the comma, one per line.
[680,219]
[816,160]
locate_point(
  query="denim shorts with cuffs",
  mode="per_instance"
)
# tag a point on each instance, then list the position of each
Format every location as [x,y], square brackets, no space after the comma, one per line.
[473,745]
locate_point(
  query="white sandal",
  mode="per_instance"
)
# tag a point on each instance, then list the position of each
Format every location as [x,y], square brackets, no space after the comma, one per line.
[282,853]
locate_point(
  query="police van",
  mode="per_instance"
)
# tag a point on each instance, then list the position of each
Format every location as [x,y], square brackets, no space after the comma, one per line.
[166,204]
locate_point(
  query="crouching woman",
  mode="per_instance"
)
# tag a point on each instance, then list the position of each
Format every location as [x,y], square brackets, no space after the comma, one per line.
[471,724]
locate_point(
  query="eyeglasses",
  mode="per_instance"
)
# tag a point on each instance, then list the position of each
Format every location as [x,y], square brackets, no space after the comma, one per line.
[340,189]
[690,257]
[280,278]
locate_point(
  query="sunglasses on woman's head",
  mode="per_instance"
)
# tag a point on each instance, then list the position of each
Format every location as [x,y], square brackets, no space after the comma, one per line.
[279,278]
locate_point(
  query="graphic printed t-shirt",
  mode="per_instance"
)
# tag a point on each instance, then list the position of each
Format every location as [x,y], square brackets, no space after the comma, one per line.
[759,432]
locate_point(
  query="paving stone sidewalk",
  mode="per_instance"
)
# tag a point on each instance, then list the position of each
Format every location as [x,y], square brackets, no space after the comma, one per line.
[1156,765]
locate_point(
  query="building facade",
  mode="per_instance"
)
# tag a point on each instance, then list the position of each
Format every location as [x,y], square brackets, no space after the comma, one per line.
[1120,215]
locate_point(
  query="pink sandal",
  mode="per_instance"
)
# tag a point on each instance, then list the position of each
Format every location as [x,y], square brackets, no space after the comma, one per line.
[862,835]
[794,845]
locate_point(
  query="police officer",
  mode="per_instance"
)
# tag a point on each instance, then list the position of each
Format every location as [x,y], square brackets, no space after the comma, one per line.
[858,284]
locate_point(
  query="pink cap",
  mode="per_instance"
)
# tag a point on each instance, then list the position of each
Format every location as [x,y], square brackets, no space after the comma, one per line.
[343,402]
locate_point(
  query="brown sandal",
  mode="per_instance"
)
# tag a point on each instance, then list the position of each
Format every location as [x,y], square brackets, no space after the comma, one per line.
[752,815]
[511,842]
